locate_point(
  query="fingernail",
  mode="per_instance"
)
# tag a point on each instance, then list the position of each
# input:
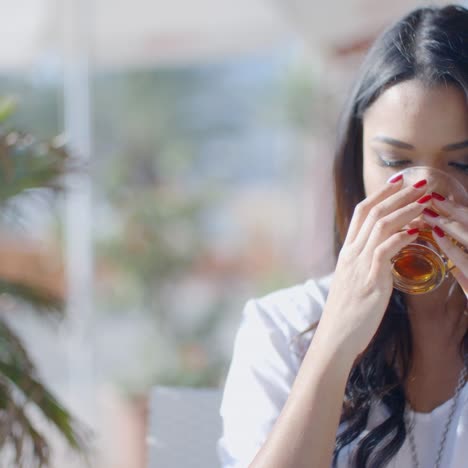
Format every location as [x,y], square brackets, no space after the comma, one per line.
[438,231]
[430,213]
[395,179]
[424,199]
[412,231]
[438,196]
[420,184]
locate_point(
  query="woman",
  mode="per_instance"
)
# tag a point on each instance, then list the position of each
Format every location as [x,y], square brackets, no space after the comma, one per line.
[382,382]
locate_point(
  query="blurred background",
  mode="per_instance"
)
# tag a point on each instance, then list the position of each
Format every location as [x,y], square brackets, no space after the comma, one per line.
[195,147]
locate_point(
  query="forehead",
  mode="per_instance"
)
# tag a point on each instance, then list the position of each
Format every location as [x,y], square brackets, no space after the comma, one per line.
[414,112]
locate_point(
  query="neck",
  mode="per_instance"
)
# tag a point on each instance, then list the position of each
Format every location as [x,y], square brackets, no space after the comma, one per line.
[438,326]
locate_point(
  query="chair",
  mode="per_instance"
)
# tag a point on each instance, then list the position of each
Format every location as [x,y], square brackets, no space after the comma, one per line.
[184,425]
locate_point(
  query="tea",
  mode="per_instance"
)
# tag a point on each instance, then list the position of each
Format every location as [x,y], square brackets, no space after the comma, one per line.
[419,267]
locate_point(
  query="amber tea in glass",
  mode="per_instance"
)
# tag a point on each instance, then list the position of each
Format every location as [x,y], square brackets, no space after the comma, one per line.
[419,267]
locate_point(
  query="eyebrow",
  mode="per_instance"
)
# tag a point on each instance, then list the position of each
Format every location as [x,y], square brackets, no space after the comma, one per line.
[401,144]
[456,146]
[393,142]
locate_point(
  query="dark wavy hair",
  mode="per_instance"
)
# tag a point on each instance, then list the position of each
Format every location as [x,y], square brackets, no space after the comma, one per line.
[429,44]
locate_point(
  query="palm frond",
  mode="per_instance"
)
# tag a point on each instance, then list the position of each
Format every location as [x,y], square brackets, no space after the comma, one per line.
[33,391]
[39,298]
[26,164]
[12,350]
[18,434]
[19,387]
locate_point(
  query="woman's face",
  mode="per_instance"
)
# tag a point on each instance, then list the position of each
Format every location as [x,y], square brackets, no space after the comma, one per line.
[414,125]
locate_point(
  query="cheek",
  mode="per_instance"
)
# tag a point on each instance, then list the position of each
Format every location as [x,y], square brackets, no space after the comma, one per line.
[375,177]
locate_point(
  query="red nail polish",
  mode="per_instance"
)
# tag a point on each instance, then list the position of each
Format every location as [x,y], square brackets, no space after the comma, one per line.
[438,231]
[424,199]
[438,196]
[430,213]
[413,231]
[420,184]
[396,179]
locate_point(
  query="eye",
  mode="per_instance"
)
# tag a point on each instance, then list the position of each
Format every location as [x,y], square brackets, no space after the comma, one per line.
[460,166]
[391,162]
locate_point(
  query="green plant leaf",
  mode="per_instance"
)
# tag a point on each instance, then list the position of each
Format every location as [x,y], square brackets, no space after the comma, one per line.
[7,107]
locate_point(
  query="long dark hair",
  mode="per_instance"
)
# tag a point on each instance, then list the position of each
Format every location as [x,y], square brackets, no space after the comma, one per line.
[431,45]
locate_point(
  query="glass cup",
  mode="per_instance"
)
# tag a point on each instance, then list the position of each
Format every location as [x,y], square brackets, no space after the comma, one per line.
[421,266]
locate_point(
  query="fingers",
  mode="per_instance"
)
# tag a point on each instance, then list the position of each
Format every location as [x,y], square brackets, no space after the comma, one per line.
[389,248]
[363,208]
[456,254]
[390,215]
[393,223]
[450,217]
[450,208]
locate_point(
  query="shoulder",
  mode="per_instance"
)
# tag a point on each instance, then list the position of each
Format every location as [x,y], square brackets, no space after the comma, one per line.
[290,310]
[283,317]
[264,365]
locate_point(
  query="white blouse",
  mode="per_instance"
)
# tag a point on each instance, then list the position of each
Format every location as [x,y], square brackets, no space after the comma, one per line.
[267,355]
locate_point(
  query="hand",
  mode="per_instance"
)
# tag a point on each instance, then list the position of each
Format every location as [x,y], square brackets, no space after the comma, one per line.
[452,219]
[363,282]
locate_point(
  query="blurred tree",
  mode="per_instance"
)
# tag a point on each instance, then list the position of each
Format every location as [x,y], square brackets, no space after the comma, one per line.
[146,181]
[173,145]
